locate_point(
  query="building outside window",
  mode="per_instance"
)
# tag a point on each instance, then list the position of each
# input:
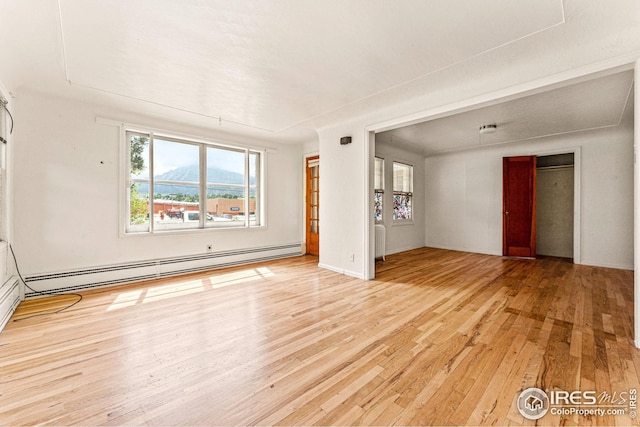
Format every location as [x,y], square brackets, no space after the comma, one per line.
[179,184]
[402,192]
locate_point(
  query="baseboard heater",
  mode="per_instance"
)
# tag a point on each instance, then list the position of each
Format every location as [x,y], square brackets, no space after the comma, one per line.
[87,278]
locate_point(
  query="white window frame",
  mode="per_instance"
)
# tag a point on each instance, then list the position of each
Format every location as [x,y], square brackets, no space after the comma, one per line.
[402,193]
[379,190]
[125,181]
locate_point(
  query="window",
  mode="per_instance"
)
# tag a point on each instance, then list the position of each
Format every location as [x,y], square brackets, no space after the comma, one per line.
[402,191]
[378,188]
[176,184]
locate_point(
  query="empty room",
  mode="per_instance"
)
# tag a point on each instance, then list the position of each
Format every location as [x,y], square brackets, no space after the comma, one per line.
[297,212]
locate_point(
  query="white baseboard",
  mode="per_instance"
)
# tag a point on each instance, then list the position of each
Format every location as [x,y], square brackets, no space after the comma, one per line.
[73,280]
[461,249]
[607,265]
[584,262]
[342,271]
[405,249]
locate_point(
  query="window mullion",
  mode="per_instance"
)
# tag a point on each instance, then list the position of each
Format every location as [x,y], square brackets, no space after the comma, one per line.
[127,223]
[258,179]
[151,190]
[203,186]
[247,190]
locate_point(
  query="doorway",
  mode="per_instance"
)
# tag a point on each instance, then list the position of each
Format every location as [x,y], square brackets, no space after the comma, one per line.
[541,205]
[313,205]
[555,205]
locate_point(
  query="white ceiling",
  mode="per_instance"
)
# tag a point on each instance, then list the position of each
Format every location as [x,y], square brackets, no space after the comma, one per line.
[592,104]
[273,64]
[276,69]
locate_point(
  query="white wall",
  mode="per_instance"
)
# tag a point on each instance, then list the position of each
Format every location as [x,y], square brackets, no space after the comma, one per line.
[464,196]
[342,203]
[10,290]
[442,93]
[7,269]
[463,201]
[66,195]
[402,236]
[310,148]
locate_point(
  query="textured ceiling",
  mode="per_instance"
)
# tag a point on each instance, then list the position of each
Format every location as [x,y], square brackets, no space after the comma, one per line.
[273,64]
[592,104]
[281,70]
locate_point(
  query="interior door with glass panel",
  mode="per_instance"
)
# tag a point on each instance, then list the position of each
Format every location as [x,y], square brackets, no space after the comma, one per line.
[313,205]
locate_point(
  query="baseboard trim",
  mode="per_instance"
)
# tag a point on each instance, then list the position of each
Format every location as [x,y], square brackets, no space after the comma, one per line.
[342,271]
[462,249]
[87,278]
[605,265]
[405,249]
[583,262]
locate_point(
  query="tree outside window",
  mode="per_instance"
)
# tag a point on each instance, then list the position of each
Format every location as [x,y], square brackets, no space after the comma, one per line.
[181,184]
[402,192]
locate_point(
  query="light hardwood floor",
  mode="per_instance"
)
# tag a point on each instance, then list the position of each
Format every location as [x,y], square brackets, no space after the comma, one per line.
[439,338]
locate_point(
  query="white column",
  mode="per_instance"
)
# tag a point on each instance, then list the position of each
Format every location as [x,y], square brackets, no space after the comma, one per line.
[636,209]
[369,236]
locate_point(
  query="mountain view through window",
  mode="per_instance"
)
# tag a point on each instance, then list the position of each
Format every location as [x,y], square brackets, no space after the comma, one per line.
[178,184]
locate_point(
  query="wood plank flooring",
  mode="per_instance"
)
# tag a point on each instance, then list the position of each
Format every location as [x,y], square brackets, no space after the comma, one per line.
[439,338]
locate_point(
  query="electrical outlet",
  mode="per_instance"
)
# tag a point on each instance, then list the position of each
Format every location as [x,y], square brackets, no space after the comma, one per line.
[352,257]
[209,248]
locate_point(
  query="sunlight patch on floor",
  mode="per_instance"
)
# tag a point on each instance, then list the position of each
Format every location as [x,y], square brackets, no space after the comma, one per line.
[186,287]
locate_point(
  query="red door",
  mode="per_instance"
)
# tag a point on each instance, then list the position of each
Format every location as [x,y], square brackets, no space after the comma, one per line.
[519,206]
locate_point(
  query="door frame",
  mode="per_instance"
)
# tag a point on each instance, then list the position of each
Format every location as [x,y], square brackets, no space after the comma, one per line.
[498,96]
[577,180]
[305,162]
[577,173]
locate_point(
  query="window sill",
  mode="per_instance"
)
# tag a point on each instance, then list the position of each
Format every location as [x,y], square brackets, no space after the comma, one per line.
[402,223]
[191,231]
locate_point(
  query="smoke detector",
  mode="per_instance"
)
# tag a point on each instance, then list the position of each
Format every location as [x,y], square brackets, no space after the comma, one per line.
[486,129]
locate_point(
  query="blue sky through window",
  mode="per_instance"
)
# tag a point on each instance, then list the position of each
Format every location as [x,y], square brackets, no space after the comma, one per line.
[171,155]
